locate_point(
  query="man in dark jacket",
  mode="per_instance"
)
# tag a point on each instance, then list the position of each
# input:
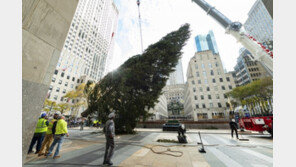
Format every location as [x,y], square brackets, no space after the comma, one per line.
[109,134]
[234,127]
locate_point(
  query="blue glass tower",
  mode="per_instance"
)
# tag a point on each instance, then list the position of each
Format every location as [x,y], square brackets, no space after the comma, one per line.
[206,42]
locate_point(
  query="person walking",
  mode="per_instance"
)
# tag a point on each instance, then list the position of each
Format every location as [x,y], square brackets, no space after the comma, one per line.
[59,131]
[39,134]
[233,127]
[49,136]
[109,134]
[81,124]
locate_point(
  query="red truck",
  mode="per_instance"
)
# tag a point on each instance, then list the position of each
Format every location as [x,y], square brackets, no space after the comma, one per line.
[258,123]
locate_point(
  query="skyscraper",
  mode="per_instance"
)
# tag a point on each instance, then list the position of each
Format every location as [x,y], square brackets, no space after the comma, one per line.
[88,46]
[259,23]
[206,42]
[177,76]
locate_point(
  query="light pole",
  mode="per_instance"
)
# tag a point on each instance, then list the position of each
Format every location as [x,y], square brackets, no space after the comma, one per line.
[138,3]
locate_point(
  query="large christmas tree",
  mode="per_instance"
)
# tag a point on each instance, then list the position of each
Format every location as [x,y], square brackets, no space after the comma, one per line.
[136,85]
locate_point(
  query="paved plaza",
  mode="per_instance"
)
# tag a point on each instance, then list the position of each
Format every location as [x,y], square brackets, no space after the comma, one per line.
[86,148]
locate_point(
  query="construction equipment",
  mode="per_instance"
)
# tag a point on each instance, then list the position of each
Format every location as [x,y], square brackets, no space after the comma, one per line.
[258,51]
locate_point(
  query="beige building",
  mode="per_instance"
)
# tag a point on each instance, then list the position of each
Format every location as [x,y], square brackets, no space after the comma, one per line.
[174,93]
[160,109]
[206,87]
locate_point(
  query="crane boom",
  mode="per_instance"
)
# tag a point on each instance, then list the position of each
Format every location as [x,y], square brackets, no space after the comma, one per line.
[236,30]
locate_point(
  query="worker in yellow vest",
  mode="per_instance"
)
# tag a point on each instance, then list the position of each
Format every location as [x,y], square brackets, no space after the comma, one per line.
[59,131]
[49,136]
[39,134]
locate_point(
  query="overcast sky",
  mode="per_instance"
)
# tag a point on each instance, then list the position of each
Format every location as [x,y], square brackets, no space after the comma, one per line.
[160,17]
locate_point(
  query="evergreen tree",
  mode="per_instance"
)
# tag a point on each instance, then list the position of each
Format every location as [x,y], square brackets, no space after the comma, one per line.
[135,86]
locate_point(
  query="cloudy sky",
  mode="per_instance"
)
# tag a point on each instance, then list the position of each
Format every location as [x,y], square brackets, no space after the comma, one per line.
[160,17]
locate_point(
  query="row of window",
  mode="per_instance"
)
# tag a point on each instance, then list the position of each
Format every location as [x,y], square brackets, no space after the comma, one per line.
[213,80]
[203,66]
[68,77]
[215,88]
[256,74]
[211,105]
[209,97]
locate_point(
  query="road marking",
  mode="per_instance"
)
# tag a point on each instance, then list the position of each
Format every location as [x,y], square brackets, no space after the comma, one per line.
[222,157]
[259,155]
[224,140]
[142,152]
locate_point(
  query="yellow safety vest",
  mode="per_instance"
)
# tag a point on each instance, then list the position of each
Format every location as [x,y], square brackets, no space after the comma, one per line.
[61,127]
[41,126]
[49,128]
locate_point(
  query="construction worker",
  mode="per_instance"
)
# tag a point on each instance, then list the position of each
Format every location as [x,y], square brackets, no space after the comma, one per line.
[59,131]
[49,136]
[233,127]
[39,134]
[109,134]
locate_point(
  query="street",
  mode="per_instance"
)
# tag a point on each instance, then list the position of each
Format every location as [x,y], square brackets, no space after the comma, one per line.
[86,148]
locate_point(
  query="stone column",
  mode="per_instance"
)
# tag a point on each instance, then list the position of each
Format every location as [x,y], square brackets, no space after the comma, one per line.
[45,27]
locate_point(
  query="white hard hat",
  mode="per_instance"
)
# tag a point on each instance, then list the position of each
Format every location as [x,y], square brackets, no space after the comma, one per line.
[111,115]
[233,120]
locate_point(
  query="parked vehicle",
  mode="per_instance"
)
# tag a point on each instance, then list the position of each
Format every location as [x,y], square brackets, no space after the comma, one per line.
[171,125]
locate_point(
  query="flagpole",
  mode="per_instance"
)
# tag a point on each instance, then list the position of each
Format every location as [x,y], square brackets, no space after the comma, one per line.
[138,3]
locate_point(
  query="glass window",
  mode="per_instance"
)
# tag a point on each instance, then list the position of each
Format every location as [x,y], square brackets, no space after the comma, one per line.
[196,66]
[56,72]
[195,97]
[208,88]
[68,77]
[210,65]
[64,90]
[202,66]
[62,74]
[230,87]
[203,105]
[60,82]
[204,74]
[62,98]
[200,89]
[202,97]
[197,74]
[216,88]
[66,83]
[55,97]
[218,72]
[196,106]
[212,72]
[211,105]
[223,87]
[216,64]
[194,89]
[221,79]
[219,105]
[53,79]
[209,97]
[227,78]
[50,87]
[217,96]
[73,79]
[199,81]
[225,96]
[72,85]
[78,80]
[206,81]
[58,89]
[192,82]
[214,81]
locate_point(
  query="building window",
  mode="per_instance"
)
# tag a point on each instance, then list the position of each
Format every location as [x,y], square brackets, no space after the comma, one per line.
[62,98]
[223,87]
[199,81]
[55,97]
[202,66]
[221,79]
[196,66]
[219,105]
[214,81]
[216,64]
[208,88]
[210,65]
[82,81]
[194,89]
[204,74]
[64,90]
[66,84]
[218,72]
[73,79]
[227,78]
[201,97]
[197,74]
[192,82]
[72,85]
[230,87]
[60,82]
[209,97]
[53,79]
[216,88]
[78,80]
[211,105]
[58,89]
[195,97]
[203,106]
[50,87]
[68,77]
[200,89]
[72,100]
[225,96]
[56,72]
[62,74]
[196,106]
[206,81]
[217,96]
[212,72]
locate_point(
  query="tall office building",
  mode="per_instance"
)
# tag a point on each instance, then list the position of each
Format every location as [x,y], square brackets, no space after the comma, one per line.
[247,70]
[206,87]
[269,6]
[206,42]
[88,45]
[259,23]
[177,76]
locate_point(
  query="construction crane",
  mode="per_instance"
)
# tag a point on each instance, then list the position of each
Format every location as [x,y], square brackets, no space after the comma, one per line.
[258,51]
